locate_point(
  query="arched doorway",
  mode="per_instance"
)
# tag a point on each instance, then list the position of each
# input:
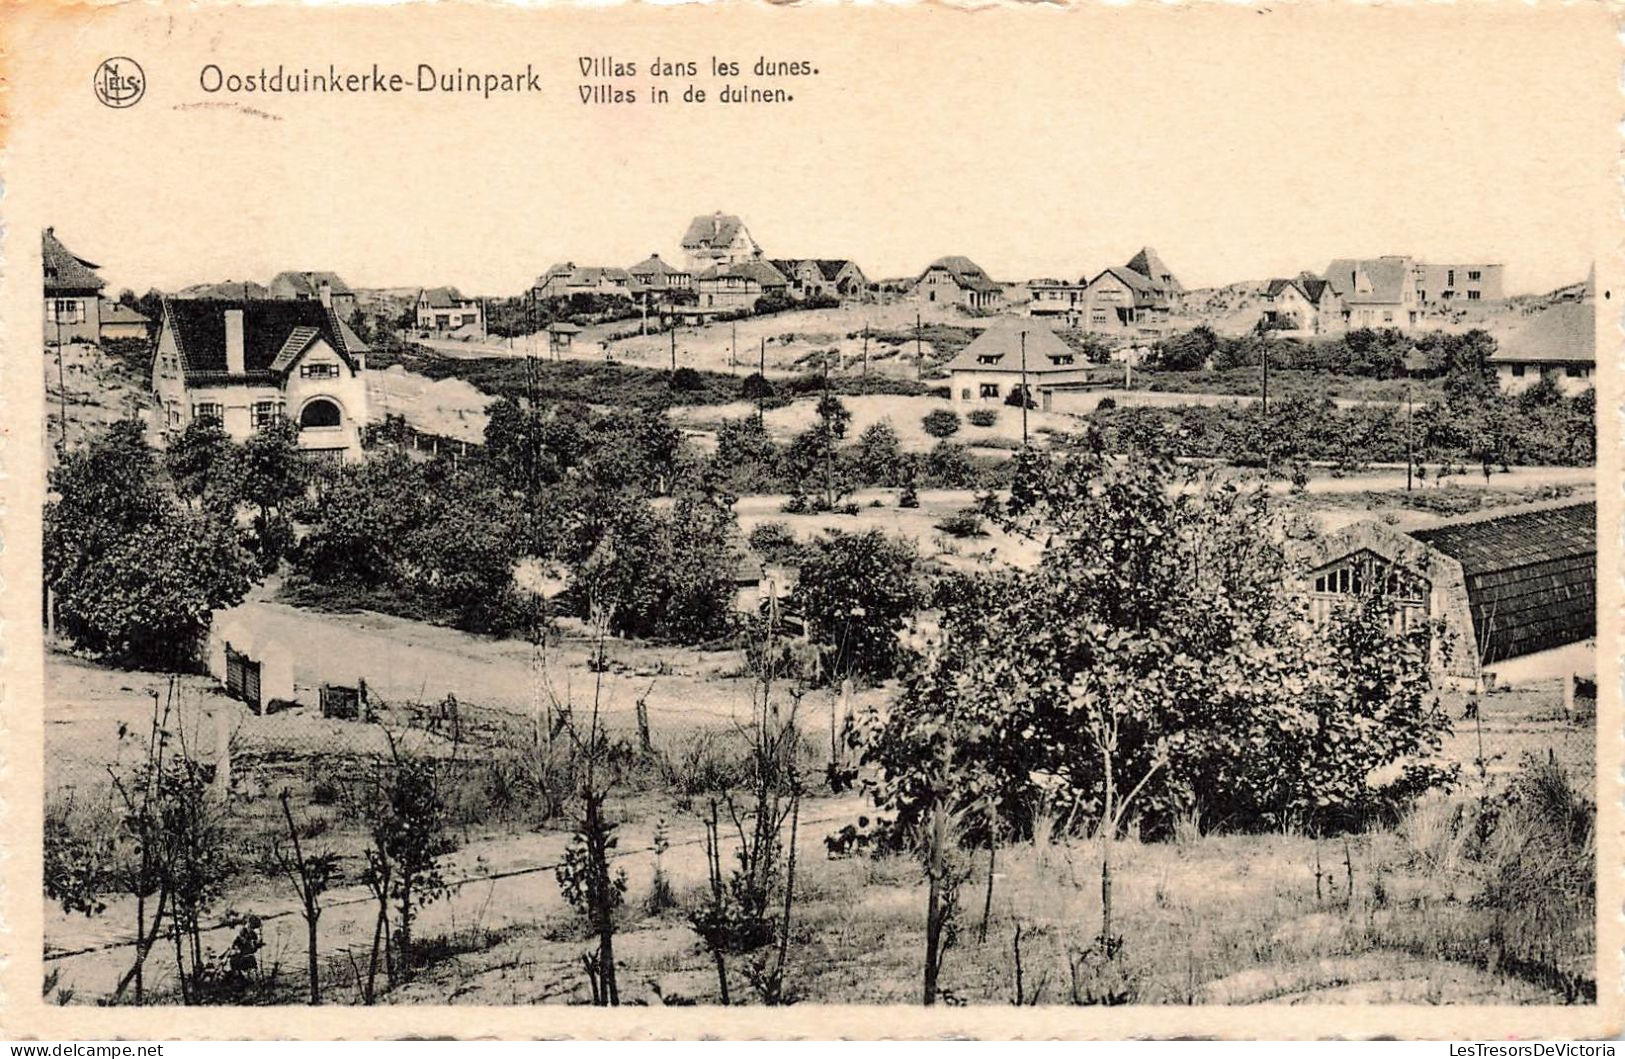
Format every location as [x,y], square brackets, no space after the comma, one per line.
[320,412]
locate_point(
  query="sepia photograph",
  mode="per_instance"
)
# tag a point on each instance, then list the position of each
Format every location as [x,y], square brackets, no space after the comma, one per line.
[1073,509]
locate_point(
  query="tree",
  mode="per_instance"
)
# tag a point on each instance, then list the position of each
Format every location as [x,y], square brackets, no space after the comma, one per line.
[270,473]
[815,454]
[948,465]
[310,877]
[136,577]
[879,454]
[1153,665]
[1188,351]
[406,816]
[746,456]
[941,423]
[857,592]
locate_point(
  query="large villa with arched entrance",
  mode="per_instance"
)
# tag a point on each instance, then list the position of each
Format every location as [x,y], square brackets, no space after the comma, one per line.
[242,363]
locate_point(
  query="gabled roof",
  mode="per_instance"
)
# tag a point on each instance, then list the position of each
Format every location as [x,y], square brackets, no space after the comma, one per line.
[229,291]
[1001,340]
[1276,287]
[66,271]
[1149,265]
[306,284]
[275,332]
[119,313]
[760,271]
[966,273]
[445,298]
[1565,333]
[1370,281]
[713,230]
[653,266]
[1144,292]
[1531,575]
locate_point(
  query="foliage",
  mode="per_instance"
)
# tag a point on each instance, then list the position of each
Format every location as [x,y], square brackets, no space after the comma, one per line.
[941,423]
[982,417]
[775,542]
[136,576]
[857,592]
[878,454]
[1154,651]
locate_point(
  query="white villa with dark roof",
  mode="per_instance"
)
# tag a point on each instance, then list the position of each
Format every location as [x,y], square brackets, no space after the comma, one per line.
[718,240]
[444,309]
[990,369]
[957,279]
[245,363]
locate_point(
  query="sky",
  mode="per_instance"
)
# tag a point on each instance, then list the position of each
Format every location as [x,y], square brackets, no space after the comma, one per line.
[1240,143]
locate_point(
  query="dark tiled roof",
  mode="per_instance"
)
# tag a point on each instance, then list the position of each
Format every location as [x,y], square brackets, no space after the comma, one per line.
[270,328]
[1149,265]
[653,266]
[66,271]
[1531,576]
[1371,281]
[713,230]
[445,298]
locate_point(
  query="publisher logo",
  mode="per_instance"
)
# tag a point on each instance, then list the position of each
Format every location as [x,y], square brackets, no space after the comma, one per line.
[120,82]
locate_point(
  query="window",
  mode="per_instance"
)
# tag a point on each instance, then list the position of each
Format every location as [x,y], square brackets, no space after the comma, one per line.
[67,311]
[441,319]
[1474,295]
[320,413]
[264,412]
[1065,358]
[1576,371]
[964,393]
[1387,317]
[207,410]
[990,389]
[318,371]
[1518,370]
[1363,574]
[1474,276]
[989,358]
[1451,280]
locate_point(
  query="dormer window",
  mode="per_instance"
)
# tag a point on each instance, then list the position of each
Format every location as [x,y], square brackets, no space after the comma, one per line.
[1064,358]
[989,358]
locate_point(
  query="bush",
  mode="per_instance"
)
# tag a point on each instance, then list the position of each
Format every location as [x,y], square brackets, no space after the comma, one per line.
[775,542]
[857,591]
[967,522]
[941,423]
[982,417]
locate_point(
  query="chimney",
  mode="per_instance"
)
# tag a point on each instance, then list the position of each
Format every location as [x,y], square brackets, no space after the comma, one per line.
[325,292]
[234,341]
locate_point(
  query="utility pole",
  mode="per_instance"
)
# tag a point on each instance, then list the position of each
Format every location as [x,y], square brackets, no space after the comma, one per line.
[1264,358]
[761,390]
[1024,397]
[866,349]
[61,385]
[919,354]
[1410,452]
[674,347]
[733,346]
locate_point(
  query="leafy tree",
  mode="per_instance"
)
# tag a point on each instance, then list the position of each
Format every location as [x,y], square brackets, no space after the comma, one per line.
[746,456]
[201,463]
[879,454]
[136,576]
[857,592]
[941,423]
[270,473]
[1153,666]
[1188,351]
[948,465]
[815,454]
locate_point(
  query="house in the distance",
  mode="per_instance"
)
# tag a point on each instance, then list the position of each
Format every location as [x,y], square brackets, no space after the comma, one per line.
[120,321]
[243,364]
[1560,342]
[567,278]
[1377,292]
[73,294]
[822,277]
[717,240]
[1447,284]
[444,310]
[739,287]
[1139,297]
[1059,300]
[1306,305]
[957,280]
[652,276]
[307,286]
[1505,585]
[991,367]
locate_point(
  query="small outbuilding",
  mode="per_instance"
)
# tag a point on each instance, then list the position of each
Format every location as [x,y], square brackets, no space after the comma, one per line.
[1506,585]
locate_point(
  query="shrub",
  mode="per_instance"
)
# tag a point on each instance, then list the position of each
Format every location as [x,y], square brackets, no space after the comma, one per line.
[775,542]
[964,523]
[982,417]
[941,423]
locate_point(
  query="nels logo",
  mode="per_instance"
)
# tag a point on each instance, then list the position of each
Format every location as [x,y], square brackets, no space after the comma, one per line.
[120,82]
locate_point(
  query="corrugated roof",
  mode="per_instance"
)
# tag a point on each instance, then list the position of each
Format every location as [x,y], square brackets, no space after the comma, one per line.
[270,327]
[1566,333]
[1531,575]
[66,271]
